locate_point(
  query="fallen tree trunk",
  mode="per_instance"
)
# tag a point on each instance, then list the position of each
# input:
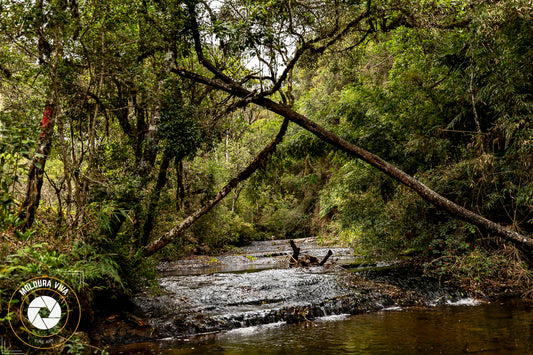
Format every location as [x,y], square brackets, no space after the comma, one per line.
[295,252]
[525,242]
[259,161]
[224,83]
[330,253]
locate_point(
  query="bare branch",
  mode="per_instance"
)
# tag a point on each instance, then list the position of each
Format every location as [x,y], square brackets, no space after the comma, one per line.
[334,36]
[198,47]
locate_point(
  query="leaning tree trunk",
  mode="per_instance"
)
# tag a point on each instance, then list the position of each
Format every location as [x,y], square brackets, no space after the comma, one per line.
[259,161]
[425,192]
[224,83]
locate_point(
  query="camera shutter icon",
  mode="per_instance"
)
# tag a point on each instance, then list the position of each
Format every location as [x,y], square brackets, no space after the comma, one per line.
[54,315]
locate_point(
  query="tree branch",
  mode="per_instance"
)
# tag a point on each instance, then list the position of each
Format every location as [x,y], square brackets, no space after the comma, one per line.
[333,36]
[198,47]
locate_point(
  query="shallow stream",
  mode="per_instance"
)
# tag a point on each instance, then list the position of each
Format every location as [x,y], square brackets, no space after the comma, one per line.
[489,328]
[249,302]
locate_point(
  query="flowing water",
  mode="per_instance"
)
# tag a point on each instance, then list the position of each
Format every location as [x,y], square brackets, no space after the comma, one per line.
[493,328]
[247,302]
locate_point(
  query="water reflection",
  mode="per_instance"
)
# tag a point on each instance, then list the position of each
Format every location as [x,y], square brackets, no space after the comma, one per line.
[496,328]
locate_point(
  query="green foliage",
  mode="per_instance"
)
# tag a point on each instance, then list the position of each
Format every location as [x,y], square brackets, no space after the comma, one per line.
[220,229]
[441,89]
[179,129]
[478,268]
[410,101]
[78,268]
[15,145]
[88,272]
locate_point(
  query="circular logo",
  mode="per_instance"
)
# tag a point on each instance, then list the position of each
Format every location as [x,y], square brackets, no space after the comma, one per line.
[45,312]
[54,312]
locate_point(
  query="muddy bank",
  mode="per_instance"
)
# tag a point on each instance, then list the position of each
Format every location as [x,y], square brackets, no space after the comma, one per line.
[254,286]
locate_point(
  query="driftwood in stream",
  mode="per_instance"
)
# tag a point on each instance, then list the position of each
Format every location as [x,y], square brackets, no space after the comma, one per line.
[306,260]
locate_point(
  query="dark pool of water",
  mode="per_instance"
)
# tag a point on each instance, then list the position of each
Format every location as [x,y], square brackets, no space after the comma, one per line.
[503,327]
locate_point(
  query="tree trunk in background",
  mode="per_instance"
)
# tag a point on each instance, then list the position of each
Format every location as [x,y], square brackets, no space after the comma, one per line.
[154,198]
[29,206]
[180,188]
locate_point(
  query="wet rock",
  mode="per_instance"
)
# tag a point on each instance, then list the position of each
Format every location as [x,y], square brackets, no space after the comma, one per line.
[222,301]
[194,303]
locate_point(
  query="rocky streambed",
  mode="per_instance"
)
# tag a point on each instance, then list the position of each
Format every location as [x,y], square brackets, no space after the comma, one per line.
[253,286]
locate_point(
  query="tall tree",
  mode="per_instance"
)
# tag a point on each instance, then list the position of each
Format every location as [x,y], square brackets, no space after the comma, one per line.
[48,29]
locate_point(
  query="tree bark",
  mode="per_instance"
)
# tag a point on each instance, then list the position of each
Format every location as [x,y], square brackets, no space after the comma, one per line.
[154,198]
[259,161]
[34,184]
[330,253]
[306,260]
[425,192]
[29,206]
[180,188]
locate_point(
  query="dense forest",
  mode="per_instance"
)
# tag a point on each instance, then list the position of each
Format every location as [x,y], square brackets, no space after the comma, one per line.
[134,131]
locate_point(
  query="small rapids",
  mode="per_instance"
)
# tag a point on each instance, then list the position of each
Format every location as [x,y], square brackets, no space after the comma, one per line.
[272,254]
[502,327]
[250,302]
[211,302]
[254,287]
